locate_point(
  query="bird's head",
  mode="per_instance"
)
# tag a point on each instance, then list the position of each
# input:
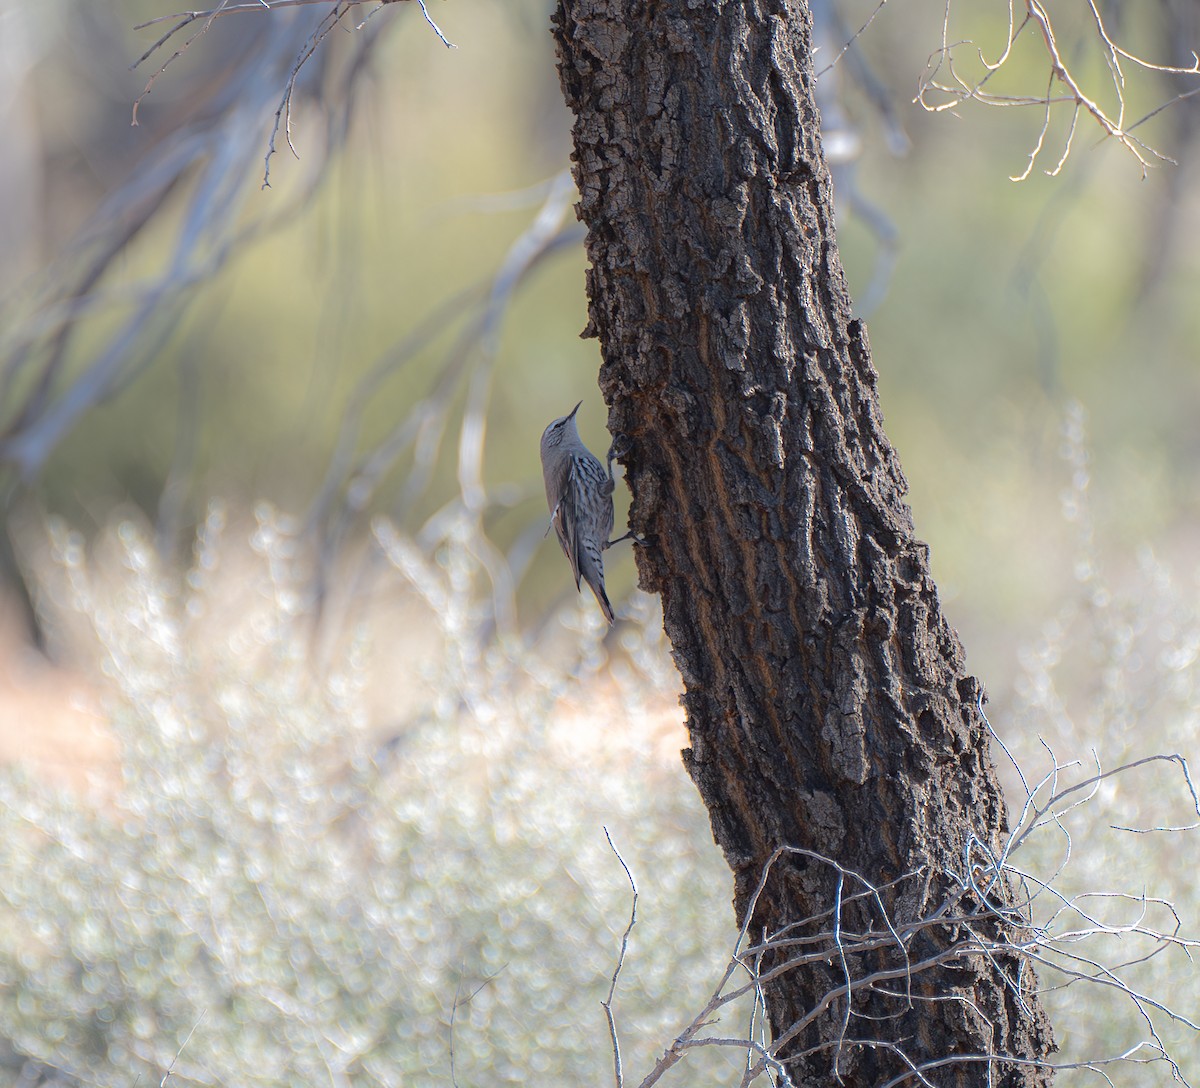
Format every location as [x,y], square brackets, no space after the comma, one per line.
[561,430]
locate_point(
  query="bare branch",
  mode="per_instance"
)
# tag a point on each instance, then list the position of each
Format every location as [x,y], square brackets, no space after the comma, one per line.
[205,164]
[187,17]
[994,929]
[942,86]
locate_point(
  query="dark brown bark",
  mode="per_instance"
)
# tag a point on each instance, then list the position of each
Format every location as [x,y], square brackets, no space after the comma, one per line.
[826,695]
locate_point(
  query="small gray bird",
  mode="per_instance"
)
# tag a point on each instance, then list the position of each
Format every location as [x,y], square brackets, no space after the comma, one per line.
[579,492]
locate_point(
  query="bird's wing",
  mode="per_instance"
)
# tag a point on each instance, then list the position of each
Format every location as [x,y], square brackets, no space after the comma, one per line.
[565,520]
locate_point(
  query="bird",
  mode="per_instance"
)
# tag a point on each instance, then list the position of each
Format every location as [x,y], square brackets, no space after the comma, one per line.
[579,493]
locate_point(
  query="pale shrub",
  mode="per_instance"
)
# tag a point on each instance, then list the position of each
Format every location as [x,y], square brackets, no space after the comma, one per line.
[310,889]
[1113,681]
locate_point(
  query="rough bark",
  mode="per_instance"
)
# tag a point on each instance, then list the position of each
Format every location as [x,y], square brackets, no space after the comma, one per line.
[826,695]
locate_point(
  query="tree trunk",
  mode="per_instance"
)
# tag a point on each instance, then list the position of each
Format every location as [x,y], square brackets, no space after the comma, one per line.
[826,697]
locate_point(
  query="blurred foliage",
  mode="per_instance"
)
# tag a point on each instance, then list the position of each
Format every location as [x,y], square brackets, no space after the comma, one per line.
[314,859]
[313,890]
[1113,678]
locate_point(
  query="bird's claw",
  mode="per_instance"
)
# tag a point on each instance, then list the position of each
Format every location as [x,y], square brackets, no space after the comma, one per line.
[621,445]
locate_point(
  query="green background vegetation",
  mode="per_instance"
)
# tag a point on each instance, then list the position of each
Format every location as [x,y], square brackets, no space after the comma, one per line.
[1007,300]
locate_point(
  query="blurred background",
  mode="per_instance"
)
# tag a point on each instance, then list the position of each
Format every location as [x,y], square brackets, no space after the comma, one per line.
[273,367]
[390,324]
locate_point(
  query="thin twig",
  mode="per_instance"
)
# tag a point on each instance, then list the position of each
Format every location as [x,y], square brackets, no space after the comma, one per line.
[607,1003]
[187,1039]
[461,1002]
[990,929]
[941,76]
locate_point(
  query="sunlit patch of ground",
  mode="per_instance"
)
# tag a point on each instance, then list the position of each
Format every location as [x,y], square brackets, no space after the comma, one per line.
[51,720]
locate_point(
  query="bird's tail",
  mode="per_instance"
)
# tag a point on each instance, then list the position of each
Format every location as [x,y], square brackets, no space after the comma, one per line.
[597,587]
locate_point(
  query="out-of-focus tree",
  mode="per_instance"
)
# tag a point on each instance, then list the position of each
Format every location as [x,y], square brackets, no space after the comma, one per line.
[217,146]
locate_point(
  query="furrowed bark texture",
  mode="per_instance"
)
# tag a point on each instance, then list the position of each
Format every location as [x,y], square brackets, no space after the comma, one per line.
[826,695]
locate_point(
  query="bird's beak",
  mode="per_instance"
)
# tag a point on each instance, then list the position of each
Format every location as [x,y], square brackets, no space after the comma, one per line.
[574,410]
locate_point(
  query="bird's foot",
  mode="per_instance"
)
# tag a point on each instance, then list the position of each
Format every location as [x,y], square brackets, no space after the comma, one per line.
[631,535]
[621,445]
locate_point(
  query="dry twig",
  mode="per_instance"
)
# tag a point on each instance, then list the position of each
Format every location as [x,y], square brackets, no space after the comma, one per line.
[991,930]
[607,1003]
[945,86]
